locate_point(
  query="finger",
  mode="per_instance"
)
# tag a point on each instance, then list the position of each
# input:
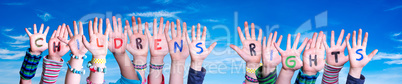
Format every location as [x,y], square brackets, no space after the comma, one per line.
[264,42]
[308,44]
[69,31]
[252,31]
[279,49]
[54,34]
[160,26]
[300,49]
[46,30]
[204,33]
[133,28]
[81,28]
[65,33]
[288,46]
[167,34]
[365,40]
[75,28]
[340,37]
[372,54]
[63,40]
[108,28]
[246,31]
[314,40]
[125,32]
[115,29]
[279,40]
[187,37]
[178,26]
[193,33]
[319,40]
[359,38]
[274,38]
[129,30]
[58,31]
[259,35]
[240,34]
[119,24]
[100,28]
[198,31]
[325,42]
[237,49]
[63,28]
[211,47]
[90,29]
[35,31]
[296,42]
[332,38]
[344,42]
[140,25]
[154,28]
[41,29]
[147,30]
[96,25]
[29,33]
[354,39]
[85,42]
[172,30]
[269,40]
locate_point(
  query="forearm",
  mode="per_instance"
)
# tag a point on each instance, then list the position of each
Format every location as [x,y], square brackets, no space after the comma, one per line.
[126,67]
[177,72]
[355,72]
[285,76]
[331,74]
[156,74]
[251,74]
[76,64]
[266,70]
[196,65]
[94,76]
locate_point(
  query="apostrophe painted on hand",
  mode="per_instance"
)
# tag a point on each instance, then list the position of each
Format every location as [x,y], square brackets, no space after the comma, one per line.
[198,46]
[97,43]
[156,44]
[115,43]
[56,47]
[36,42]
[252,47]
[293,61]
[313,60]
[361,55]
[138,42]
[177,45]
[336,55]
[78,44]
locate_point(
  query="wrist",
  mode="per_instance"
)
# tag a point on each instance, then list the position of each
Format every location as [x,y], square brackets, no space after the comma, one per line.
[310,72]
[268,69]
[252,65]
[140,60]
[196,65]
[119,54]
[53,57]
[355,72]
[157,60]
[35,52]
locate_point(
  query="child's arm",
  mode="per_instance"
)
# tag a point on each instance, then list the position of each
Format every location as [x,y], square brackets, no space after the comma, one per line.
[57,49]
[313,60]
[290,59]
[179,52]
[98,47]
[198,53]
[266,74]
[159,49]
[358,58]
[335,58]
[251,51]
[38,44]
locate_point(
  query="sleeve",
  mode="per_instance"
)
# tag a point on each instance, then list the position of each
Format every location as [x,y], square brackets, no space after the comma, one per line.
[196,77]
[51,70]
[29,65]
[124,80]
[353,80]
[270,79]
[331,74]
[306,79]
[163,80]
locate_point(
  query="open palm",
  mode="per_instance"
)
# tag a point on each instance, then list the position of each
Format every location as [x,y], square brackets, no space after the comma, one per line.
[270,55]
[178,39]
[251,51]
[336,53]
[98,42]
[313,55]
[291,57]
[37,40]
[198,51]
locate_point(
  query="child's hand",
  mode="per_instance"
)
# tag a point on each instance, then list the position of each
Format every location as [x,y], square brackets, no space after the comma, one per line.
[198,51]
[75,42]
[58,49]
[118,39]
[178,47]
[37,40]
[357,55]
[291,57]
[98,41]
[251,51]
[157,41]
[138,45]
[270,55]
[335,53]
[313,55]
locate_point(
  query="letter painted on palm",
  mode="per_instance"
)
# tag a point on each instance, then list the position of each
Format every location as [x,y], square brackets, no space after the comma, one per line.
[271,55]
[36,42]
[361,55]
[156,44]
[78,44]
[252,49]
[198,46]
[138,42]
[336,55]
[97,43]
[115,43]
[313,60]
[176,46]
[56,47]
[292,61]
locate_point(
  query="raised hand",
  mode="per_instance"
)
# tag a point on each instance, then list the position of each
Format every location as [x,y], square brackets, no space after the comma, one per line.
[198,51]
[37,40]
[336,53]
[313,55]
[157,41]
[270,55]
[291,57]
[58,49]
[118,39]
[177,45]
[98,41]
[357,55]
[138,45]
[75,42]
[251,51]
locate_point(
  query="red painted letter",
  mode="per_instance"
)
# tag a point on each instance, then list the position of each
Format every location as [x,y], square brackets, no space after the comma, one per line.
[97,42]
[115,43]
[156,43]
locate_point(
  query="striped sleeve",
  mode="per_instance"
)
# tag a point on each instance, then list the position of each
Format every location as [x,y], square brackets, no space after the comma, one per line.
[306,79]
[330,74]
[270,79]
[51,70]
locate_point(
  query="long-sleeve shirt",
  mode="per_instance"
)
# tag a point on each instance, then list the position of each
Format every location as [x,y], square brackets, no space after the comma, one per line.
[196,77]
[270,79]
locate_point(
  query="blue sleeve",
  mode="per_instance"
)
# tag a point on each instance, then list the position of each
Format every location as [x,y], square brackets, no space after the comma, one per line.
[353,80]
[305,78]
[196,77]
[123,80]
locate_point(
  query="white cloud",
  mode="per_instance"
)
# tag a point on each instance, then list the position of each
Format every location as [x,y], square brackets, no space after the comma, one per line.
[382,55]
[20,37]
[161,13]
[45,16]
[7,29]
[20,46]
[394,8]
[395,36]
[213,20]
[7,54]
[163,1]
[394,62]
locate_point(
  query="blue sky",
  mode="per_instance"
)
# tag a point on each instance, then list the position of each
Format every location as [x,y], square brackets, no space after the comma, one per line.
[381,18]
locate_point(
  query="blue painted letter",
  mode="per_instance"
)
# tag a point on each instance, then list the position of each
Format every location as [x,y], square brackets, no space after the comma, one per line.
[361,55]
[198,46]
[177,45]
